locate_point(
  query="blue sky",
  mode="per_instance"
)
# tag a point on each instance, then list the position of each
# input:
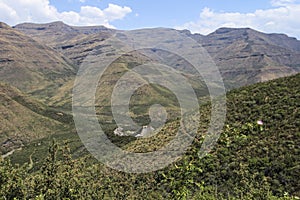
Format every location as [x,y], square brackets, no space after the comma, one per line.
[201,16]
[166,13]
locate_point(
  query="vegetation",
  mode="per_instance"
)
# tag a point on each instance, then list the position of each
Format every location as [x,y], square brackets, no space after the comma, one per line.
[257,157]
[61,177]
[24,119]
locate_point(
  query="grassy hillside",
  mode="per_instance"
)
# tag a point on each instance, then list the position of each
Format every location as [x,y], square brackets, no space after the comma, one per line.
[30,66]
[250,161]
[24,119]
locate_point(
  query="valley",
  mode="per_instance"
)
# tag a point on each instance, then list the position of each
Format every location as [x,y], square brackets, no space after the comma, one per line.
[44,158]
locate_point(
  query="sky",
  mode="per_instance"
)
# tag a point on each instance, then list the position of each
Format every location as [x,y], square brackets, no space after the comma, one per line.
[198,16]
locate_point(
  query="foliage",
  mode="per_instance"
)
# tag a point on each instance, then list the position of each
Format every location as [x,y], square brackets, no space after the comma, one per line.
[252,160]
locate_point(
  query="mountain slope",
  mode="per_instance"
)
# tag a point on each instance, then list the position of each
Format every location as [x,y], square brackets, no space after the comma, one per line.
[246,56]
[23,119]
[31,66]
[249,157]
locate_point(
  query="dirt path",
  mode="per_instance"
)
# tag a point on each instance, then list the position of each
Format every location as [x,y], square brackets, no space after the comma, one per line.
[10,152]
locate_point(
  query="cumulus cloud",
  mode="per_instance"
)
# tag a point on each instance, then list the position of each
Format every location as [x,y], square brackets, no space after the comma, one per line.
[41,11]
[283,17]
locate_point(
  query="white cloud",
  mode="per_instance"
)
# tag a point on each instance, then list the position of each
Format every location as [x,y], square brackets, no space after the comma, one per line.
[116,12]
[281,2]
[7,12]
[282,18]
[40,11]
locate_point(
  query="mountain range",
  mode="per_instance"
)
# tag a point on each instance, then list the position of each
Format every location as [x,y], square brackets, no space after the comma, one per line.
[244,56]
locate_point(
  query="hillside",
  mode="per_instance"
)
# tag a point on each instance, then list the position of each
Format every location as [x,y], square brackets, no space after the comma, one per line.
[246,56]
[250,161]
[24,119]
[31,66]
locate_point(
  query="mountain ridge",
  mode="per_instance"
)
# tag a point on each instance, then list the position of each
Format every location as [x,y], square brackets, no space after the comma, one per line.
[243,55]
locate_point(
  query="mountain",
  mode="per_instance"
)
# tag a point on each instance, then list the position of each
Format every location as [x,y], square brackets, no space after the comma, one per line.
[58,32]
[77,43]
[74,42]
[24,119]
[31,66]
[245,56]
